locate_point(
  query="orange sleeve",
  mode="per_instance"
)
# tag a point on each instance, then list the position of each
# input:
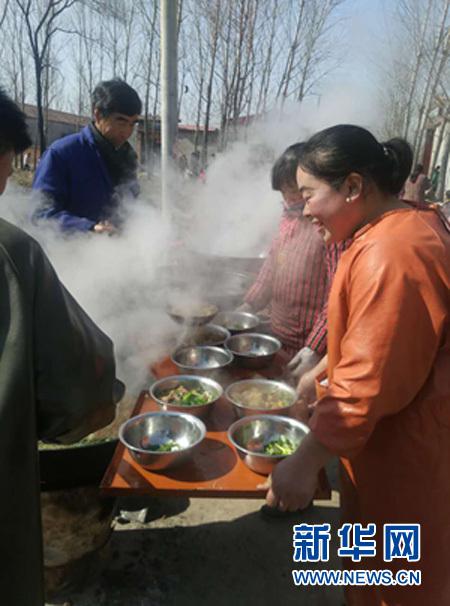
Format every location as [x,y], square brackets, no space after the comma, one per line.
[396,314]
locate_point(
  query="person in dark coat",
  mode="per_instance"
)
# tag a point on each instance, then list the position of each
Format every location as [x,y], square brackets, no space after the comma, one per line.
[57,381]
[82,179]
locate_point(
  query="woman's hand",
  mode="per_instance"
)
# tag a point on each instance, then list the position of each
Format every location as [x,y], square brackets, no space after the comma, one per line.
[294,480]
[104,227]
[292,486]
[306,387]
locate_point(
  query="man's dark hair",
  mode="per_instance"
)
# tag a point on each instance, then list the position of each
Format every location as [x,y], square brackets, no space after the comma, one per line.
[285,168]
[116,95]
[13,127]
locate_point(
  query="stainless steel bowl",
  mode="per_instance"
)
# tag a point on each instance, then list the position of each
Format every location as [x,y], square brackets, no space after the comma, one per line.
[208,334]
[251,435]
[237,321]
[158,428]
[163,386]
[253,350]
[206,361]
[193,315]
[263,388]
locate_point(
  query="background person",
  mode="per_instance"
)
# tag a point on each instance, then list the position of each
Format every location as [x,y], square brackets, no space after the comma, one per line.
[435,178]
[83,178]
[416,185]
[57,381]
[386,409]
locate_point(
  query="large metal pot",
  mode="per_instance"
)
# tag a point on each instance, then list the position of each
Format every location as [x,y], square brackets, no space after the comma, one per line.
[76,525]
[76,520]
[74,466]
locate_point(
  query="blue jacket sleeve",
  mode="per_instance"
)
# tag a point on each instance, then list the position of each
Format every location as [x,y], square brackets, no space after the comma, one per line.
[52,182]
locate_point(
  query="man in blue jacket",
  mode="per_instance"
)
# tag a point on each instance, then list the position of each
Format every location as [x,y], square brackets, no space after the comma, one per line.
[83,178]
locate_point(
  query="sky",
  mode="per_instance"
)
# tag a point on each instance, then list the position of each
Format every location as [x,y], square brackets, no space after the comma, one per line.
[237,197]
[362,34]
[365,36]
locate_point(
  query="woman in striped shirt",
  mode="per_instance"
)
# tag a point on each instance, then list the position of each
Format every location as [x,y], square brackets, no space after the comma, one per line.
[296,277]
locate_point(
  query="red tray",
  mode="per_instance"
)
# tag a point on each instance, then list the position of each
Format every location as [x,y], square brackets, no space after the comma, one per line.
[215,469]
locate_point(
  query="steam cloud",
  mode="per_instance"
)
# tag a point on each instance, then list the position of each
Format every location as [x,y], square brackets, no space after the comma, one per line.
[120,281]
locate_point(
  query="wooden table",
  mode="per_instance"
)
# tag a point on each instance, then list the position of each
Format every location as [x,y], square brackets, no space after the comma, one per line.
[215,469]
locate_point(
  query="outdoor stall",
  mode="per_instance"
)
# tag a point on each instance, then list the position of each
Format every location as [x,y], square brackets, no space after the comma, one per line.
[215,469]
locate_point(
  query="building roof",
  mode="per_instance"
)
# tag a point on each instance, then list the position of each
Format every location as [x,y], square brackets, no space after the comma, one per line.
[56,116]
[193,128]
[75,120]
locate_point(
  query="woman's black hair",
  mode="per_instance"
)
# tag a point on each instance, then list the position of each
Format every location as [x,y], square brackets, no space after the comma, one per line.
[14,134]
[332,154]
[116,95]
[285,168]
[418,169]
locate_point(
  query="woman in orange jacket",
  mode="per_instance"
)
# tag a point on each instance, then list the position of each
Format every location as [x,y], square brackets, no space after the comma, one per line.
[385,407]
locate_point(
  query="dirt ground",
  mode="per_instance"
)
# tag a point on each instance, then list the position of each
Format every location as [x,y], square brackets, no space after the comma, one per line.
[202,552]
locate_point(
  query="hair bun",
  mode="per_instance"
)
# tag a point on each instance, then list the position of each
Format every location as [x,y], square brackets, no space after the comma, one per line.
[399,157]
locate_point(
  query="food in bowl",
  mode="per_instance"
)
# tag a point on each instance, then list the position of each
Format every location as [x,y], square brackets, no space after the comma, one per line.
[186,393]
[168,446]
[253,397]
[190,311]
[208,334]
[187,397]
[192,314]
[150,438]
[280,446]
[261,396]
[263,440]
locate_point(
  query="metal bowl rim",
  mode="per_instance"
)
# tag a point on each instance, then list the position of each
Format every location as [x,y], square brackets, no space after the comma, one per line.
[226,334]
[264,381]
[173,312]
[265,337]
[214,384]
[217,327]
[247,314]
[201,426]
[208,368]
[248,419]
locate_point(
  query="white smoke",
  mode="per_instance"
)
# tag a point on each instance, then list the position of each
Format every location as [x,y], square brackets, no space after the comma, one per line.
[120,280]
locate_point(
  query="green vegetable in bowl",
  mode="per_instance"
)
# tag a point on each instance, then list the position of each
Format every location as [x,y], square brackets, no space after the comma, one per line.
[168,446]
[187,397]
[280,446]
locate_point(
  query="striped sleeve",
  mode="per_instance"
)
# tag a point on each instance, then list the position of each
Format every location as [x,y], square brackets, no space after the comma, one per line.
[317,338]
[259,294]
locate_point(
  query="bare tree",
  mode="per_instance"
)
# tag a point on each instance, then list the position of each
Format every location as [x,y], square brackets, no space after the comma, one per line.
[214,27]
[16,61]
[414,78]
[88,52]
[419,56]
[4,12]
[41,26]
[441,46]
[267,54]
[148,13]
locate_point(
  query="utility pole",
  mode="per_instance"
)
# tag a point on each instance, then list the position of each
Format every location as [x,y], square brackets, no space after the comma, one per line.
[169,98]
